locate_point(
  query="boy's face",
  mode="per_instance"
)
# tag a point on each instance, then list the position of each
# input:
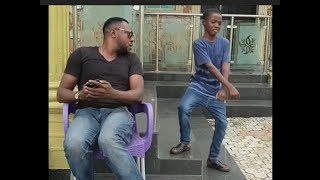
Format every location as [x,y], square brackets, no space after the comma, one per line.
[213,23]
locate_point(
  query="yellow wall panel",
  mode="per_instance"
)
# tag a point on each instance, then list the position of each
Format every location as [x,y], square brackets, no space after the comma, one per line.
[56,142]
[57,160]
[58,40]
[56,128]
[58,55]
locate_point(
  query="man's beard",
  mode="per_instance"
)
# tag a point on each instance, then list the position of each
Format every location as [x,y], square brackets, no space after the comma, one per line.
[122,49]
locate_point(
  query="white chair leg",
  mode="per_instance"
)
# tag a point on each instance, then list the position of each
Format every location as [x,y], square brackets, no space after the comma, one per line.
[138,164]
[72,176]
[143,168]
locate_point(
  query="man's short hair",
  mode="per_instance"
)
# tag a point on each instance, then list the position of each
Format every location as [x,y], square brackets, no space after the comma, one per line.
[111,22]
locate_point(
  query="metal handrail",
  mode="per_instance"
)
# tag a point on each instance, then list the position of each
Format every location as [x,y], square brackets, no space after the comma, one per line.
[200,14]
[193,32]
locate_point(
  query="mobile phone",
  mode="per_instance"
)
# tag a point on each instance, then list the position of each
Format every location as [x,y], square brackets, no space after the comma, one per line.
[91,85]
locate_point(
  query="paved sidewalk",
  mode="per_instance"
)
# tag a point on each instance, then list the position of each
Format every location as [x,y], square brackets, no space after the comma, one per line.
[249,141]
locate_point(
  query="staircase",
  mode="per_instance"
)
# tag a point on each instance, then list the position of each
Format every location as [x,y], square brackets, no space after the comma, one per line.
[256,101]
[255,93]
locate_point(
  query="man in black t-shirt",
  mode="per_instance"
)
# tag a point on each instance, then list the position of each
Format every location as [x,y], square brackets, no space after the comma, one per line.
[109,78]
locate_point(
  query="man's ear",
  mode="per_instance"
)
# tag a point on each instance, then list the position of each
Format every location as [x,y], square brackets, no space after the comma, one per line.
[113,33]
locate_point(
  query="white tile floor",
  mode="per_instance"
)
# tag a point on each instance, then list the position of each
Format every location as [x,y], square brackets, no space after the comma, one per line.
[249,141]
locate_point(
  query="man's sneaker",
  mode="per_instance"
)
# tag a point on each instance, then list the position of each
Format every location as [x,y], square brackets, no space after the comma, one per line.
[217,165]
[180,148]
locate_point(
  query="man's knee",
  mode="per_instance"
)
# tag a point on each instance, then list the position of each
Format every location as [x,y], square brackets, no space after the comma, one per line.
[108,140]
[74,145]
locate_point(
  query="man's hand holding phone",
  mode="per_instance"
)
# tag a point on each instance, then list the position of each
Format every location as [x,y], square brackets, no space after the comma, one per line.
[98,89]
[91,83]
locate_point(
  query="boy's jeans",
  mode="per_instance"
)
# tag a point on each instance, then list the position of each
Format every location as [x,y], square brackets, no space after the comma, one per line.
[217,109]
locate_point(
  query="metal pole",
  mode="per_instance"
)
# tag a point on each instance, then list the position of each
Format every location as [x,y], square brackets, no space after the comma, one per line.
[157,44]
[266,46]
[194,32]
[190,42]
[75,28]
[141,33]
[269,41]
[231,36]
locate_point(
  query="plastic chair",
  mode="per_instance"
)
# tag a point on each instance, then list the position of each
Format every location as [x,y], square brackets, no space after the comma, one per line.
[138,146]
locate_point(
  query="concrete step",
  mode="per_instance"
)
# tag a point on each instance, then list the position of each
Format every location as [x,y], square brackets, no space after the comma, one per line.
[240,108]
[185,163]
[64,174]
[193,161]
[248,91]
[153,177]
[184,77]
[248,108]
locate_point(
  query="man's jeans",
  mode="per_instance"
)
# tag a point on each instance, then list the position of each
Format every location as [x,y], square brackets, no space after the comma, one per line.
[112,130]
[217,109]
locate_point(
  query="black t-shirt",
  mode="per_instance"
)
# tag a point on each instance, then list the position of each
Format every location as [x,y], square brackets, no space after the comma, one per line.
[87,63]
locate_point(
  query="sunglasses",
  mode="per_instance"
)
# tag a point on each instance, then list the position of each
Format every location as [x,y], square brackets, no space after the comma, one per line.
[130,33]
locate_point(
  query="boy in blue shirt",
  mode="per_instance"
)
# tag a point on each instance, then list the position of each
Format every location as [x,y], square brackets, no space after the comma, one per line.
[208,87]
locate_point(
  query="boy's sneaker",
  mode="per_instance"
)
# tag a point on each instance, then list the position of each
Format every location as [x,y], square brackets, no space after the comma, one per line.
[217,165]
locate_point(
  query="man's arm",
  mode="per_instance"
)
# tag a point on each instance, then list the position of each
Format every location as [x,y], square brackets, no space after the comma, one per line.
[69,79]
[65,92]
[135,94]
